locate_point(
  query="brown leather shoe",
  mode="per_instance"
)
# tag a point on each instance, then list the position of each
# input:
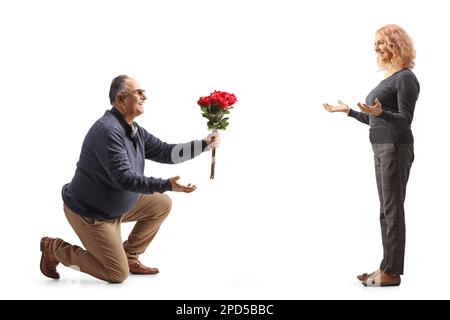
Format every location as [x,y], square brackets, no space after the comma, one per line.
[365,276]
[139,268]
[48,260]
[383,279]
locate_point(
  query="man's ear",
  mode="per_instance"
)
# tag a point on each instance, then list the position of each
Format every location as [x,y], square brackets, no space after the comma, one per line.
[120,98]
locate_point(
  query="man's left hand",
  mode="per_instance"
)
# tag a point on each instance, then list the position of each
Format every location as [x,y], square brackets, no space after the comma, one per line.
[376,109]
[178,187]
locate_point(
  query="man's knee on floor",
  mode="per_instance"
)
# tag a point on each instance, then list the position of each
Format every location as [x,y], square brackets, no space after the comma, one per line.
[118,274]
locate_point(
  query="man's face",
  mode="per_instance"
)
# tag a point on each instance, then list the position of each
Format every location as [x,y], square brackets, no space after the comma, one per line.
[133,98]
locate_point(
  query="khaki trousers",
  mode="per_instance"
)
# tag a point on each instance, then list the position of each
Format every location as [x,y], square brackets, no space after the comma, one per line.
[106,257]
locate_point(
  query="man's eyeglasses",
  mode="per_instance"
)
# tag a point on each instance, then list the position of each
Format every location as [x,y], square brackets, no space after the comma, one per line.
[140,92]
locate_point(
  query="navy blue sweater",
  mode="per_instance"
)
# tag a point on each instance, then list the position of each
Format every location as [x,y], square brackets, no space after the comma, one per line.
[398,95]
[110,172]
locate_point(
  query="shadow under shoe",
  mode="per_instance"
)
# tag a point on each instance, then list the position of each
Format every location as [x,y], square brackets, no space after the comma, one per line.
[48,260]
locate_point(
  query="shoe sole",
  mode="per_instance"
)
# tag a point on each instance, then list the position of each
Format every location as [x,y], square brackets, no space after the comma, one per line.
[144,273]
[380,285]
[392,284]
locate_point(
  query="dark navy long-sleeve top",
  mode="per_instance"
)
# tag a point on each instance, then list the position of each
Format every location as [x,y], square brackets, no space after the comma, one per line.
[398,95]
[110,172]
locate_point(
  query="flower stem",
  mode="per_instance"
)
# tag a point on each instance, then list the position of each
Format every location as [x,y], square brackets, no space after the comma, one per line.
[213,160]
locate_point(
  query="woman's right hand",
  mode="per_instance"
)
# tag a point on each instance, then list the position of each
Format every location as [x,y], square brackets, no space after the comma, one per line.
[340,107]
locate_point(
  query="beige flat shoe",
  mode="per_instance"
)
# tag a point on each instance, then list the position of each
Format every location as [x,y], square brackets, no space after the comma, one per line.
[383,279]
[365,276]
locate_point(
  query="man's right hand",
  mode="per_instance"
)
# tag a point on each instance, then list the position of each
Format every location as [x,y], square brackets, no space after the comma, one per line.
[340,107]
[213,143]
[177,187]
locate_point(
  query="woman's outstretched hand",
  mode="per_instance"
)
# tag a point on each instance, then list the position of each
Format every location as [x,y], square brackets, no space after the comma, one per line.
[340,107]
[376,109]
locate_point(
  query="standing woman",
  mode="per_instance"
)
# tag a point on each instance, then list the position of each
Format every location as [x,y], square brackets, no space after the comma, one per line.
[389,111]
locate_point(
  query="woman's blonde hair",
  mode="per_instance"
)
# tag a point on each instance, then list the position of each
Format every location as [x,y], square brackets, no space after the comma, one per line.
[399,44]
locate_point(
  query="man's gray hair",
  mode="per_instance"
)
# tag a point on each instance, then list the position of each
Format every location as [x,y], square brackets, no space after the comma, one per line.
[117,85]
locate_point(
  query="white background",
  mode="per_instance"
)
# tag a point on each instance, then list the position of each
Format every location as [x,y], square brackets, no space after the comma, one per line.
[293,212]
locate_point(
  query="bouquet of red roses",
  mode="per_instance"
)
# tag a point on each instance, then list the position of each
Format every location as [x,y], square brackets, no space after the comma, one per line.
[213,108]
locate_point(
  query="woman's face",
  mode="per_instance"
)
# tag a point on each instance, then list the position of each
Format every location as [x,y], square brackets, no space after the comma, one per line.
[384,55]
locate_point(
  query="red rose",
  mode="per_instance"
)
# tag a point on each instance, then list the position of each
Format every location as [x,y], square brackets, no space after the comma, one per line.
[223,100]
[204,102]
